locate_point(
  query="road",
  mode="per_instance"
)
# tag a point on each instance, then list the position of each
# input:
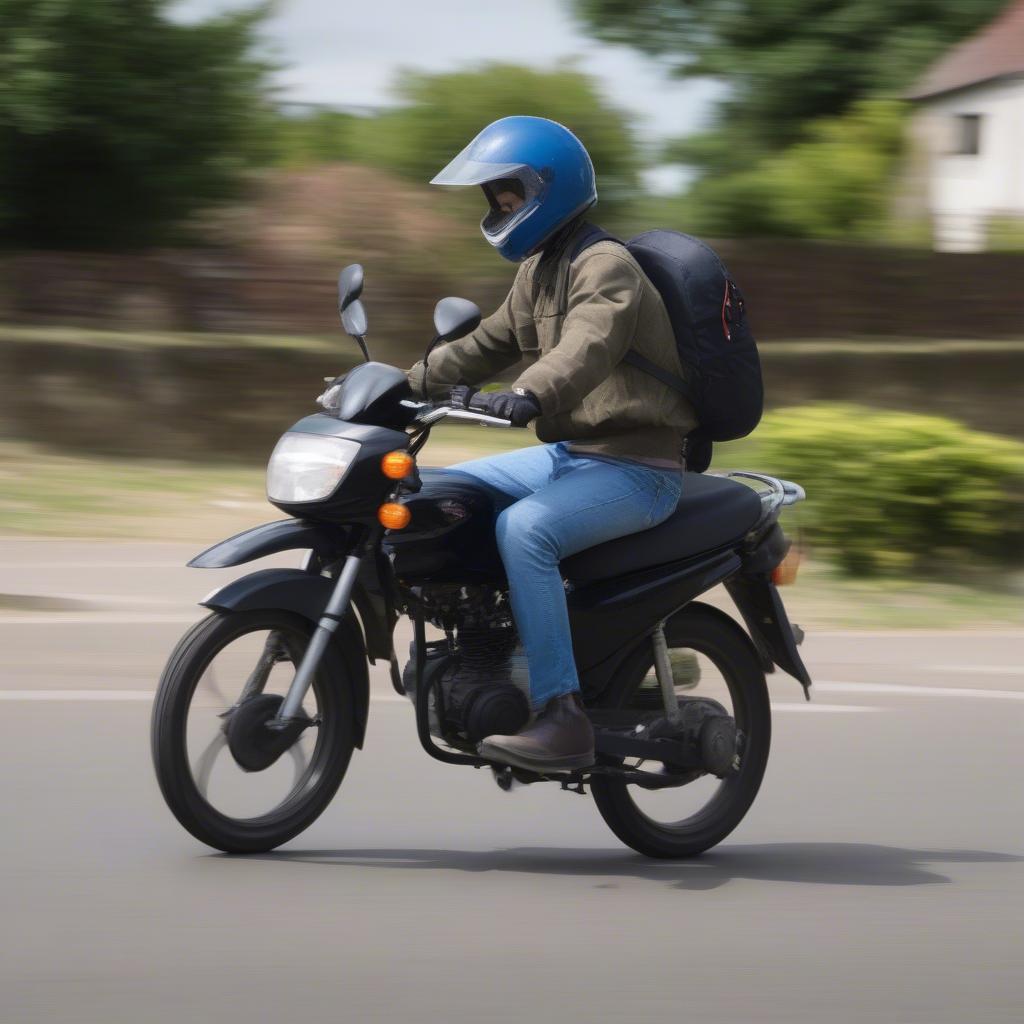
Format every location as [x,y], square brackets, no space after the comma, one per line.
[877,878]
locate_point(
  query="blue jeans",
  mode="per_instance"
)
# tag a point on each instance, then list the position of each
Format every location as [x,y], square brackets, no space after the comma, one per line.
[561,503]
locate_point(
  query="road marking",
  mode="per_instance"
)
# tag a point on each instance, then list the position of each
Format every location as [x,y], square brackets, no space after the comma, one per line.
[1011,631]
[94,565]
[978,670]
[783,706]
[918,691]
[98,619]
[826,708]
[146,696]
[78,695]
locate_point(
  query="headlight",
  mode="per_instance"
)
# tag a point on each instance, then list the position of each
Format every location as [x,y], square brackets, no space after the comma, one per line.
[308,467]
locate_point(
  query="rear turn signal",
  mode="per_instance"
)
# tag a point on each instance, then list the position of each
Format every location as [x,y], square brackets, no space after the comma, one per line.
[393,515]
[397,465]
[785,572]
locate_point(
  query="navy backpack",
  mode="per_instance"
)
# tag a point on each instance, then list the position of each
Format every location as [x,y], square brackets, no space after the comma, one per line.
[713,338]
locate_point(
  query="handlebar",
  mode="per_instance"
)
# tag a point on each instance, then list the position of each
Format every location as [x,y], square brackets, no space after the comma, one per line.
[428,413]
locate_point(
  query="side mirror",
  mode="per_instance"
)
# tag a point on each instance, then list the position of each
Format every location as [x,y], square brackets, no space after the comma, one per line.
[350,286]
[455,318]
[353,319]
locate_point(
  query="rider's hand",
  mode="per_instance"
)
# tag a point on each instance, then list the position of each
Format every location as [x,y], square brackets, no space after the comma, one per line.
[519,407]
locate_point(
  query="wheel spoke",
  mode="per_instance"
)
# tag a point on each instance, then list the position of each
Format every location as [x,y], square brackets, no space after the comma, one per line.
[205,762]
[249,660]
[214,685]
[300,755]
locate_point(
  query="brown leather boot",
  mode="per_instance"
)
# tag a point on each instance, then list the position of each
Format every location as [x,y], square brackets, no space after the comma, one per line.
[561,738]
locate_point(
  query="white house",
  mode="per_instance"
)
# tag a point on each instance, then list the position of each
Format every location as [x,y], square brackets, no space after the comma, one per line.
[969,128]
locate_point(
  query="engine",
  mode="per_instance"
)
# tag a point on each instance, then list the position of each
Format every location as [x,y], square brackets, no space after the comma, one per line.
[476,677]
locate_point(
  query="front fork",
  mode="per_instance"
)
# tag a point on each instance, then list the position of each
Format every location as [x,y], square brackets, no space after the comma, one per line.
[330,619]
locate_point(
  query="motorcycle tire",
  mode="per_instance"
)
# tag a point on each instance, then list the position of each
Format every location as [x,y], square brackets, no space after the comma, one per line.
[334,746]
[710,632]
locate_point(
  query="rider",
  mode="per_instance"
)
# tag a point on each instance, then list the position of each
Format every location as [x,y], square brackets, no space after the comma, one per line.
[610,463]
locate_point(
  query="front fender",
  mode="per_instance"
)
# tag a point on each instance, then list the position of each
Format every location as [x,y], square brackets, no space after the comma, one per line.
[330,543]
[271,538]
[304,594]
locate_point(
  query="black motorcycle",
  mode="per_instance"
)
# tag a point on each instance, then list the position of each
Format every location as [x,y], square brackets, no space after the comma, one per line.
[262,702]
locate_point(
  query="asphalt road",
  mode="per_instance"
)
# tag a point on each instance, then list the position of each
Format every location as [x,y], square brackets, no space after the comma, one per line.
[879,876]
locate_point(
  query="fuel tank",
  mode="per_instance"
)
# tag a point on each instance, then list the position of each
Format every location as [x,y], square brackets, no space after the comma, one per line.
[450,538]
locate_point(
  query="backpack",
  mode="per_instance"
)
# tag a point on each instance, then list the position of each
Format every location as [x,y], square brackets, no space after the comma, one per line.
[713,338]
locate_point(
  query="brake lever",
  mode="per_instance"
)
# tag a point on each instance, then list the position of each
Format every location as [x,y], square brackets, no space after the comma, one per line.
[436,413]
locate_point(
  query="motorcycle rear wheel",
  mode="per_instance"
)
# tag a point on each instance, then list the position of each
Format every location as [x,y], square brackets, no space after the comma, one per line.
[181,779]
[723,643]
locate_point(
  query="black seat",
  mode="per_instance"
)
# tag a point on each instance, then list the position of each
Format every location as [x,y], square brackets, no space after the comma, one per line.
[712,512]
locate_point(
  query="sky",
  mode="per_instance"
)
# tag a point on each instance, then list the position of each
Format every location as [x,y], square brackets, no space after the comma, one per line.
[345,53]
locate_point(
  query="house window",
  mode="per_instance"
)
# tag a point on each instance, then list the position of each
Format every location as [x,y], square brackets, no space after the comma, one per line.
[967,134]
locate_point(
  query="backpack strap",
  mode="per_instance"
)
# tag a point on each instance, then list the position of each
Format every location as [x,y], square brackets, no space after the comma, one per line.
[671,380]
[591,235]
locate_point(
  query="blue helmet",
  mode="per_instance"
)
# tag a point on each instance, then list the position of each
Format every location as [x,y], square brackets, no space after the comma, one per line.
[542,163]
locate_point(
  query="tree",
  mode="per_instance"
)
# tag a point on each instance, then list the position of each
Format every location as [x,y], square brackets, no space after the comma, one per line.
[807,140]
[116,122]
[439,114]
[314,137]
[788,62]
[832,184]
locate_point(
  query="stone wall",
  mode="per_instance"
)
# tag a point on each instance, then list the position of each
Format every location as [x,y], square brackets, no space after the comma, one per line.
[227,399]
[793,290]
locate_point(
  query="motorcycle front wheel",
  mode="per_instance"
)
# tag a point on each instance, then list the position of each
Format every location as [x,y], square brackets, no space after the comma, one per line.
[232,783]
[712,657]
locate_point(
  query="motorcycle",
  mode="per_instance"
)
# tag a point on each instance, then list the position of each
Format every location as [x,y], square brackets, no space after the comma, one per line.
[263,702]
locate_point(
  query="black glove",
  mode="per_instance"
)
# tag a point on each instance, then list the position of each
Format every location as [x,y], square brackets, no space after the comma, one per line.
[517,407]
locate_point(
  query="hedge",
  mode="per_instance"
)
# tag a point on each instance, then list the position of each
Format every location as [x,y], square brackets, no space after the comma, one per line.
[899,492]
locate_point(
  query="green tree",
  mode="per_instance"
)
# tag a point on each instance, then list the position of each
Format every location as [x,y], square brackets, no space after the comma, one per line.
[788,62]
[833,184]
[437,115]
[315,137]
[807,138]
[116,122]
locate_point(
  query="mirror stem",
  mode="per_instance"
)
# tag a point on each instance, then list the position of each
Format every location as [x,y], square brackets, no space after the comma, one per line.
[361,338]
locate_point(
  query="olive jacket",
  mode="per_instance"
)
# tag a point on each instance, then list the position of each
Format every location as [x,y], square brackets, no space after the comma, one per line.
[572,323]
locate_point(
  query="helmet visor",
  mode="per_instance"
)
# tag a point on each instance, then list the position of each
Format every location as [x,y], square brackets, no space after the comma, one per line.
[511,199]
[465,170]
[513,191]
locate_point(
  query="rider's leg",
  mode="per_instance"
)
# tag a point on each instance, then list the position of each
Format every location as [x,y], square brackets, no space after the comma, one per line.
[514,475]
[587,502]
[509,476]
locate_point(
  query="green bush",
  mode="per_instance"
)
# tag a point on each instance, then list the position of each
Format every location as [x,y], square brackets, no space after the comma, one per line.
[899,492]
[1005,234]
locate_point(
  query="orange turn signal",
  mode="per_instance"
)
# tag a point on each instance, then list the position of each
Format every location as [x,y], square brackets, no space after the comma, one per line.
[785,572]
[393,515]
[397,465]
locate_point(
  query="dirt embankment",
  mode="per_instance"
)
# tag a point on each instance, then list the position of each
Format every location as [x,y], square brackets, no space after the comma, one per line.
[198,397]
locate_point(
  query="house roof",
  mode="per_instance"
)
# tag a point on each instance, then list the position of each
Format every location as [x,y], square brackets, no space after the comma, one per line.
[996,51]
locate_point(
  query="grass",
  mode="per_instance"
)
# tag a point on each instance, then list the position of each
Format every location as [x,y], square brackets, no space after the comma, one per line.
[48,494]
[127,339]
[45,493]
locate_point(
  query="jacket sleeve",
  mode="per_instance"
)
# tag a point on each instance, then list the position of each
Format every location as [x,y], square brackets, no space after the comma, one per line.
[491,348]
[599,325]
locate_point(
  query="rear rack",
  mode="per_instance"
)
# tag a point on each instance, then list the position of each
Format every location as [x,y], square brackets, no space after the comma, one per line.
[778,494]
